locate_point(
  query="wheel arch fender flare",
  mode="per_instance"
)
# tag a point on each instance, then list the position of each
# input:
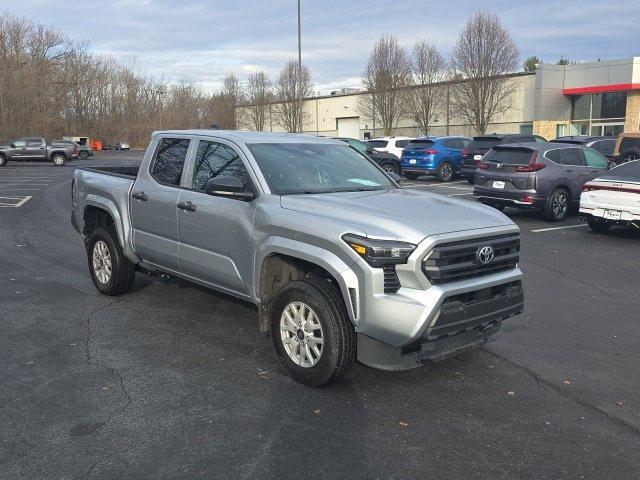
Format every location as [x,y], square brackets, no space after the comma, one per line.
[340,271]
[123,232]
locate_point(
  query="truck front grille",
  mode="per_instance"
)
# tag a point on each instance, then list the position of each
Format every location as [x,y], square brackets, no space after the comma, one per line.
[450,262]
[391,281]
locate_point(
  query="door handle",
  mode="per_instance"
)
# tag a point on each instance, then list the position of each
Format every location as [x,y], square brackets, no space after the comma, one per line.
[190,207]
[568,169]
[140,196]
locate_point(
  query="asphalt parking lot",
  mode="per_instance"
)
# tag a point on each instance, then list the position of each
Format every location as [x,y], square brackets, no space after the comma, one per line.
[174,381]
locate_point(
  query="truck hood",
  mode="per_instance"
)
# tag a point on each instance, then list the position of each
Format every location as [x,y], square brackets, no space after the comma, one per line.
[400,214]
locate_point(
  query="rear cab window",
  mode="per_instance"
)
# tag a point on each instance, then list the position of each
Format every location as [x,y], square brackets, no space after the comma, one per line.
[168,161]
[629,142]
[378,143]
[509,156]
[566,156]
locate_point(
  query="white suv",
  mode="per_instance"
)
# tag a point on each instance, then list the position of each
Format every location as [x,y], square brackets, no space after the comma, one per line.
[393,145]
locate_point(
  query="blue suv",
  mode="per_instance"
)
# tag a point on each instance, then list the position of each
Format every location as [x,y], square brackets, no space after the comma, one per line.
[439,156]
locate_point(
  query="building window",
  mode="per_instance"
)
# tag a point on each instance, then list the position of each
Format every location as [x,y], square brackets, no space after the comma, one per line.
[599,106]
[560,130]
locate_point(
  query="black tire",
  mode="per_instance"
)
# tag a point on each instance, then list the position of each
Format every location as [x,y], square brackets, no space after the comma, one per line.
[471,180]
[123,271]
[445,172]
[58,159]
[83,155]
[557,206]
[339,346]
[598,224]
[390,167]
[3,160]
[411,176]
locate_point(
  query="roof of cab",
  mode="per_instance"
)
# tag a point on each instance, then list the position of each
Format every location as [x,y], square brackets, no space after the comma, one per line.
[247,136]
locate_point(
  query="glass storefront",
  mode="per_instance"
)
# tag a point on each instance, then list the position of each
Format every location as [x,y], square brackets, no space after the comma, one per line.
[599,114]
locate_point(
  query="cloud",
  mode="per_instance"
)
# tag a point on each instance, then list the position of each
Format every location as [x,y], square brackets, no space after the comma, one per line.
[206,39]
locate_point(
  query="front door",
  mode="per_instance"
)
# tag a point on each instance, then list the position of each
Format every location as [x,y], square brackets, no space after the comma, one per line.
[154,200]
[215,231]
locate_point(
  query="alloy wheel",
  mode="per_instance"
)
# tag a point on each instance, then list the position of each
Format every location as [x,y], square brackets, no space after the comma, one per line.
[560,205]
[102,262]
[301,334]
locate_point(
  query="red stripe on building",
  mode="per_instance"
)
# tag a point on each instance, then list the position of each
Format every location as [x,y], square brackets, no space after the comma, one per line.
[620,87]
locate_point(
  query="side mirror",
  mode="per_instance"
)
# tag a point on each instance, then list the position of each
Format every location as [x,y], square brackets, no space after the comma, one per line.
[231,187]
[13,145]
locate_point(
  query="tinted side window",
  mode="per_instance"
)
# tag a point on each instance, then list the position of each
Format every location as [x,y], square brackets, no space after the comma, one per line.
[217,160]
[34,143]
[169,161]
[606,147]
[19,143]
[570,156]
[539,139]
[594,159]
[628,142]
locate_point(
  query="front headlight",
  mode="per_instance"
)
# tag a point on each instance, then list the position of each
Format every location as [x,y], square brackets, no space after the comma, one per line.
[379,253]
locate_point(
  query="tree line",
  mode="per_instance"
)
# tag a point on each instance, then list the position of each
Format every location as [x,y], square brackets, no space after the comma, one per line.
[52,86]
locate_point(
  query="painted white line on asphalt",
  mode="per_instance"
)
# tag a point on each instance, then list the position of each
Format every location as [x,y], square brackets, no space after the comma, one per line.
[458,194]
[14,202]
[20,189]
[23,201]
[539,230]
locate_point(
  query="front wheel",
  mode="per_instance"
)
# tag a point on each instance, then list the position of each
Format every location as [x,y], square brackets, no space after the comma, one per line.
[445,172]
[599,224]
[112,273]
[58,159]
[312,335]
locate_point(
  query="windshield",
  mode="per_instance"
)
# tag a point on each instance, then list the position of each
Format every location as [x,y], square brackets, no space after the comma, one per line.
[293,168]
[378,143]
[510,156]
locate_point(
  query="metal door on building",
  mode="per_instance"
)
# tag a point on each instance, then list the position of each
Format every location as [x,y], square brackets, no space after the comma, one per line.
[349,127]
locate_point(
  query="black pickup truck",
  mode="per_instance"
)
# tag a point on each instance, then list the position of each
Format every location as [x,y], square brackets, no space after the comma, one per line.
[36,149]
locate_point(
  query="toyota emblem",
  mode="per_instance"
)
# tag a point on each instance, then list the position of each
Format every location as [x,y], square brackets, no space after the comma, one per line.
[485,255]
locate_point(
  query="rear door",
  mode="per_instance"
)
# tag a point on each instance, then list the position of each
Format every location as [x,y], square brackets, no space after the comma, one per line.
[215,233]
[35,149]
[576,171]
[154,200]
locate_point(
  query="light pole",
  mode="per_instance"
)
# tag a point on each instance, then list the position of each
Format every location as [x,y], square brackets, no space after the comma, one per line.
[299,71]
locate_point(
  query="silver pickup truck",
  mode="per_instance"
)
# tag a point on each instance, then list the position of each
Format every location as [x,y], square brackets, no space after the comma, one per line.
[342,263]
[36,149]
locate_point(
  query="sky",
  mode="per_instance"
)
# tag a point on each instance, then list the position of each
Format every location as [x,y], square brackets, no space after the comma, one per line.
[205,40]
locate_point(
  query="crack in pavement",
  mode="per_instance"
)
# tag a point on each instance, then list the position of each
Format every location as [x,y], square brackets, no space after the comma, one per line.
[556,389]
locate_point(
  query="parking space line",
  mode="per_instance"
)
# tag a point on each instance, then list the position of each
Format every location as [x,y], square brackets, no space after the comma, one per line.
[14,204]
[458,194]
[539,230]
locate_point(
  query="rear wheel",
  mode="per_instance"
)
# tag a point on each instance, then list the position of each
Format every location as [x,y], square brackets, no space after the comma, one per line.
[470,179]
[445,172]
[599,224]
[557,206]
[112,273]
[58,159]
[3,160]
[83,155]
[312,335]
[390,168]
[411,176]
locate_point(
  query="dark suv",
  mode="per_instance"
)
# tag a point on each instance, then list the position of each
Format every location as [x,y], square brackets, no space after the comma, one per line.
[547,176]
[483,143]
[387,161]
[605,145]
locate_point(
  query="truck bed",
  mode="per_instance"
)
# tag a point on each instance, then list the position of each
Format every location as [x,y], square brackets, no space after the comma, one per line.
[119,171]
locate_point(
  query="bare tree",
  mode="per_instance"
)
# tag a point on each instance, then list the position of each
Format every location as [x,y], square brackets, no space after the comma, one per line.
[484,54]
[232,96]
[290,91]
[259,95]
[428,67]
[385,77]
